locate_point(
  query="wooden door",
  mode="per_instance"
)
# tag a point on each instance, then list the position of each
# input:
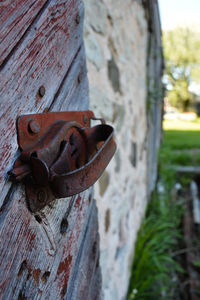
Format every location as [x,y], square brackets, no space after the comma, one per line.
[52,254]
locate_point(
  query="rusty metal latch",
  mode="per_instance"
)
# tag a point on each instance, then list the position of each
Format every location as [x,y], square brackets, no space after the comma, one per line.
[60,155]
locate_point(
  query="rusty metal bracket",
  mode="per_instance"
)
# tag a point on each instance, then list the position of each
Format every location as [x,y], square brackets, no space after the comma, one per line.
[60,155]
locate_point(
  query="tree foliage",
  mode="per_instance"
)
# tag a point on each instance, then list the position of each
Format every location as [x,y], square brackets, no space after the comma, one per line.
[182,64]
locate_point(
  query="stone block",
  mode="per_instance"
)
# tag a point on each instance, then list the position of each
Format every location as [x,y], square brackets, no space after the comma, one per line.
[104,182]
[114,74]
[96,11]
[101,104]
[93,50]
[119,116]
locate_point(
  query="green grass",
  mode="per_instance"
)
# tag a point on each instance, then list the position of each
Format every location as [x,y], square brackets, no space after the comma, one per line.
[176,139]
[185,159]
[181,134]
[154,270]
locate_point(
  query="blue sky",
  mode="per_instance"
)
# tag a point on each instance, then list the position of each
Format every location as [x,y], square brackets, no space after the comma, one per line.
[179,12]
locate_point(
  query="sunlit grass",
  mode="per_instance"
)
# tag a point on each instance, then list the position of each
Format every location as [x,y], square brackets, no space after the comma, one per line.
[182,125]
[181,134]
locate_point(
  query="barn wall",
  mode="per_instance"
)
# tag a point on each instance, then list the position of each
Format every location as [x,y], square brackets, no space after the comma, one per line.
[123,48]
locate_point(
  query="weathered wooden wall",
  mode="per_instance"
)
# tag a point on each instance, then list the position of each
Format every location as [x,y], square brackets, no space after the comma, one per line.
[155,64]
[52,254]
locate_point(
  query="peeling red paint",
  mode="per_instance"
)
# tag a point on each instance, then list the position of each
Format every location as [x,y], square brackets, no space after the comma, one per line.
[64,265]
[78,201]
[36,275]
[16,23]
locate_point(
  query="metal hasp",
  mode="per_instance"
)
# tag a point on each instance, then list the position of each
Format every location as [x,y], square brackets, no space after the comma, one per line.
[60,154]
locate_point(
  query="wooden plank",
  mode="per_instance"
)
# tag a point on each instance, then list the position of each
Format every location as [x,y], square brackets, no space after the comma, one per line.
[44,58]
[186,169]
[85,281]
[195,202]
[41,253]
[15,19]
[72,95]
[73,91]
[33,249]
[38,251]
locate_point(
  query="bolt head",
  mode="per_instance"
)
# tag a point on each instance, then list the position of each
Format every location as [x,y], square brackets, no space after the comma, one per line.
[33,127]
[42,196]
[41,91]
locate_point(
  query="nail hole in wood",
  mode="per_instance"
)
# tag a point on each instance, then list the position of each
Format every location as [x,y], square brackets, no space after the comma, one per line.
[38,219]
[23,267]
[97,264]
[78,19]
[90,198]
[45,276]
[94,249]
[79,78]
[63,226]
[64,290]
[21,296]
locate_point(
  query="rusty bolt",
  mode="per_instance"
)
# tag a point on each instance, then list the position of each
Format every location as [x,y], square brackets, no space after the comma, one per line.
[41,91]
[77,19]
[42,196]
[33,127]
[85,119]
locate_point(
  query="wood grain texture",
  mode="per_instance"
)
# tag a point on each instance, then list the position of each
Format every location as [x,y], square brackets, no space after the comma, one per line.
[44,58]
[86,282]
[41,254]
[15,18]
[45,238]
[36,255]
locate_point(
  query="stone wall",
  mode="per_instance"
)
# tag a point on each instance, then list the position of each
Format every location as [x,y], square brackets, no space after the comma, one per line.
[120,60]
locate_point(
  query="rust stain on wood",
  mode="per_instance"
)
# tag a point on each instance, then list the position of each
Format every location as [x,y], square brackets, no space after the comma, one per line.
[64,265]
[78,201]
[36,275]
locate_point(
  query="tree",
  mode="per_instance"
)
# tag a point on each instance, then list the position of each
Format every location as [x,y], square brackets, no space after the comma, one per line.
[182,65]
